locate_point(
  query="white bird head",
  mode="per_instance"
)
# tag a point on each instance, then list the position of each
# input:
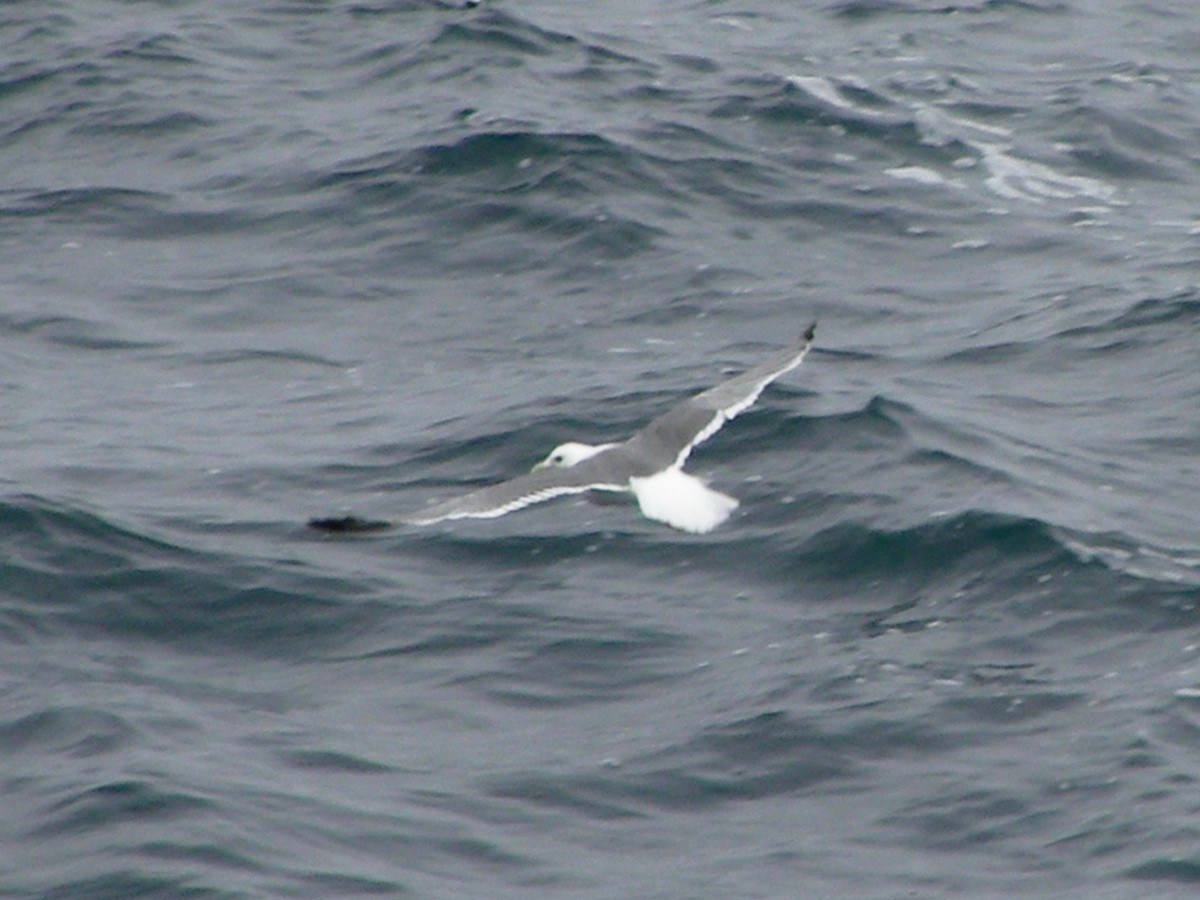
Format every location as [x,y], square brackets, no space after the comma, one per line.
[569,454]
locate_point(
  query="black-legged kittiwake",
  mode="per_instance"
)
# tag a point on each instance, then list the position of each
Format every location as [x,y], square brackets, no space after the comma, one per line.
[649,465]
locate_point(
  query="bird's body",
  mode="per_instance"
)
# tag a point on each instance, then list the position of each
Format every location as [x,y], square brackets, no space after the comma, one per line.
[649,465]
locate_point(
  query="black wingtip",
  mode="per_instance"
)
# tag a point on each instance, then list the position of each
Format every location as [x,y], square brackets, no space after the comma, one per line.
[811,330]
[348,525]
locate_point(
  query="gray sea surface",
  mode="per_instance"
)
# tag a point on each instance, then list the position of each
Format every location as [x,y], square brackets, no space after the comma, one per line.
[272,260]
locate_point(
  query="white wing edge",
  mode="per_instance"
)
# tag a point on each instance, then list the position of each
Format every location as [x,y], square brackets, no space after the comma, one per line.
[452,509]
[721,416]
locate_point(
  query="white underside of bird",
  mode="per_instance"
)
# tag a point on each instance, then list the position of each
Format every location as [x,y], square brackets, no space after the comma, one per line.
[671,496]
[681,500]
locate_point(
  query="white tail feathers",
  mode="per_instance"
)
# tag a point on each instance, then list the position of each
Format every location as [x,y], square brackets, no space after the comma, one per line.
[682,501]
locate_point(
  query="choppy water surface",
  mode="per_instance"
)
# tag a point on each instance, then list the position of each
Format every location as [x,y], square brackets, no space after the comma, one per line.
[264,262]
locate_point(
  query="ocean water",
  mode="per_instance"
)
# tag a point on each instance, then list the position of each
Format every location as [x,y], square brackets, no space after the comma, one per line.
[265,261]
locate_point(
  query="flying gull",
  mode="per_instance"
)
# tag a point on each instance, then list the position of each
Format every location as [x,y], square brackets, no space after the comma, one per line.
[649,465]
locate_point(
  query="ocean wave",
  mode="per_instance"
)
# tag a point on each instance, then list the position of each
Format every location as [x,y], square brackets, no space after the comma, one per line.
[73,572]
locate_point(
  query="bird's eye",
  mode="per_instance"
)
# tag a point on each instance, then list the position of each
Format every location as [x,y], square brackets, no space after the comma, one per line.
[556,459]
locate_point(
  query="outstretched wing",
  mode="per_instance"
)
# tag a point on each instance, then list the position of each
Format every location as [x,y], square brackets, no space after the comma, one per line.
[670,438]
[592,474]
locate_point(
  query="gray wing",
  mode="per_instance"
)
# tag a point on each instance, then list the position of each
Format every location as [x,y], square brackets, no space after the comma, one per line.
[597,473]
[669,439]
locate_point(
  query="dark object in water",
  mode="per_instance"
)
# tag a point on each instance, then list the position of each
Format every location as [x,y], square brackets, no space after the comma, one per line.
[348,525]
